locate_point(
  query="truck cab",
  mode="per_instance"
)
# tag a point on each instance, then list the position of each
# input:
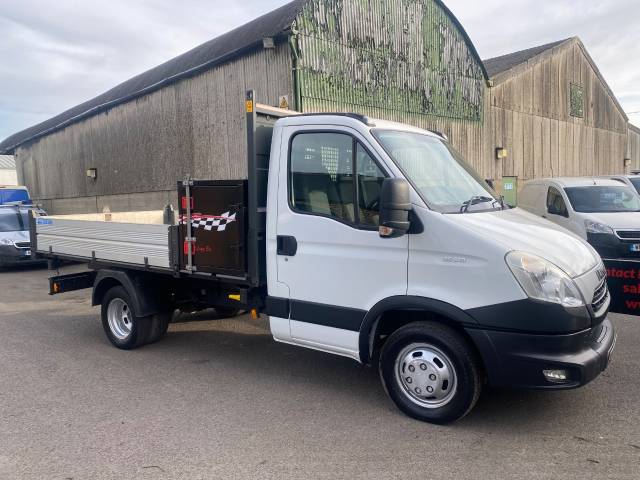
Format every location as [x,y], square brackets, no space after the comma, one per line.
[384,245]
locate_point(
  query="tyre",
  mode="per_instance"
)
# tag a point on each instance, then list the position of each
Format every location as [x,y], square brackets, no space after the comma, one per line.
[430,372]
[227,312]
[124,329]
[159,325]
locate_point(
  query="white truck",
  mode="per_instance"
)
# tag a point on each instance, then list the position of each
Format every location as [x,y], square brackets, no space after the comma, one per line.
[362,238]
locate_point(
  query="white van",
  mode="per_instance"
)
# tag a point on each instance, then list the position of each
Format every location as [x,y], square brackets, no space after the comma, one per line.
[632,180]
[605,212]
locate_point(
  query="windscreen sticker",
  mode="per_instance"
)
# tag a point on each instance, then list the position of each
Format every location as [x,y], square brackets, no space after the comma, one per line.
[210,222]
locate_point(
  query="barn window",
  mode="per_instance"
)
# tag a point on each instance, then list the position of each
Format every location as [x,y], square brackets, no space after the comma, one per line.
[576,100]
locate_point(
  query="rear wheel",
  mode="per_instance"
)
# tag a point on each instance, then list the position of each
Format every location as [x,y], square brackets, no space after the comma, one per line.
[124,329]
[159,325]
[430,372]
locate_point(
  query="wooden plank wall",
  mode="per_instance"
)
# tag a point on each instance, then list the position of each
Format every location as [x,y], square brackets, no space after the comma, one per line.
[633,147]
[195,126]
[530,117]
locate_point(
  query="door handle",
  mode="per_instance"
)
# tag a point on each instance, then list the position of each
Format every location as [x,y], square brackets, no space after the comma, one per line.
[287,246]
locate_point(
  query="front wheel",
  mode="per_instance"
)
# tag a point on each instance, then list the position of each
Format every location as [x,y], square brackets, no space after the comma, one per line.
[430,372]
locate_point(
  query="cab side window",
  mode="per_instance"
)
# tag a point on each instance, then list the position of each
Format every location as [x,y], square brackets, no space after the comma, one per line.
[331,174]
[321,178]
[555,203]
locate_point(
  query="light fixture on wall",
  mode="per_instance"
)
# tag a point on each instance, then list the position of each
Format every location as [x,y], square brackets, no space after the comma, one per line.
[268,43]
[92,173]
[501,153]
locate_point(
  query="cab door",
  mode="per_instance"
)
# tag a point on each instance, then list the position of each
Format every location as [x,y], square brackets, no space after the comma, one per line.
[330,254]
[558,212]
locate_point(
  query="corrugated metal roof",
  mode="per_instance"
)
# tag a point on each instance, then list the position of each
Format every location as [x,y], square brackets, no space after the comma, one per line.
[7,162]
[205,56]
[497,65]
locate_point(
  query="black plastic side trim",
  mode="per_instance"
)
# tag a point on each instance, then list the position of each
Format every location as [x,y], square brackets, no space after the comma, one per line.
[277,307]
[327,315]
[405,302]
[531,316]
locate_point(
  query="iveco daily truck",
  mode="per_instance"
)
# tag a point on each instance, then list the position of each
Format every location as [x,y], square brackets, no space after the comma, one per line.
[363,238]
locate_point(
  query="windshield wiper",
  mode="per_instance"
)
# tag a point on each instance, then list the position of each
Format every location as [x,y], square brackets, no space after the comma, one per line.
[476,199]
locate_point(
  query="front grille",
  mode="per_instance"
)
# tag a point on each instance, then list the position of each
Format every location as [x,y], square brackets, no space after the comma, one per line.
[22,244]
[628,234]
[600,296]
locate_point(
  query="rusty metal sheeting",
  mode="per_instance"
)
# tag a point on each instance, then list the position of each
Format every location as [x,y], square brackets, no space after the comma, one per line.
[398,56]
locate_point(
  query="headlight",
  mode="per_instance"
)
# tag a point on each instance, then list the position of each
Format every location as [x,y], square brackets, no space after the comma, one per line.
[595,227]
[542,280]
[5,241]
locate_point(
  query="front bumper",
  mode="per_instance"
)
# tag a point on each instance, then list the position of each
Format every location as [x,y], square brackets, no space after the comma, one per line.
[610,246]
[10,255]
[518,359]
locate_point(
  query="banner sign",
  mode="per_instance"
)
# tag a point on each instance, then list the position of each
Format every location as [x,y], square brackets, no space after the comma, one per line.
[623,280]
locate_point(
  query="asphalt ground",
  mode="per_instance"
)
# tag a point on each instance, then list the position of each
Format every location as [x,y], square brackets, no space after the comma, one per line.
[221,399]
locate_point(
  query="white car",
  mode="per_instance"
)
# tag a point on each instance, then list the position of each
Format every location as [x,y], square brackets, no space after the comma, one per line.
[603,211]
[15,244]
[632,180]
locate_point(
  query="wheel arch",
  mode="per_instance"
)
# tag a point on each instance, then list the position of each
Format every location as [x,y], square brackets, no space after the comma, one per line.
[416,307]
[145,302]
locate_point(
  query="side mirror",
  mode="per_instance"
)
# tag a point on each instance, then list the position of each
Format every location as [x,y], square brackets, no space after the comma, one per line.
[395,205]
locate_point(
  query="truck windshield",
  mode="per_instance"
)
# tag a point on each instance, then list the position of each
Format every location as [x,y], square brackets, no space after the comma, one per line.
[444,180]
[13,221]
[600,199]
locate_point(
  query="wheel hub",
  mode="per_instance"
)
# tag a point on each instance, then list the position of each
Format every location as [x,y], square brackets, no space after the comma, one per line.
[426,375]
[120,318]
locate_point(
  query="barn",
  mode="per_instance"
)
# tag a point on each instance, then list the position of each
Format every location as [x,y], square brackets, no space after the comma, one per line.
[405,60]
[553,114]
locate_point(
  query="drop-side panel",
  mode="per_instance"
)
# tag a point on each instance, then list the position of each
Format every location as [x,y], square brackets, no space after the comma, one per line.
[144,244]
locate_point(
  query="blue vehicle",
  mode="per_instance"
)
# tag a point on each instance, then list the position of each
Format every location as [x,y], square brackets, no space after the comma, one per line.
[13,195]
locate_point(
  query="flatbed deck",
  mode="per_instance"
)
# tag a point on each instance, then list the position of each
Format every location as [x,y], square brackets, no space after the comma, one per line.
[116,238]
